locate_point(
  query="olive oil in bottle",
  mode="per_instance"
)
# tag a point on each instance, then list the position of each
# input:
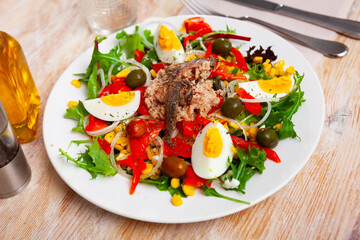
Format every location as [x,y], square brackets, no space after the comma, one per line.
[18,92]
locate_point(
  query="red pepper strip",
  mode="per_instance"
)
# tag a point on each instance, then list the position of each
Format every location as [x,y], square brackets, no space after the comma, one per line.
[158,66]
[105,145]
[198,34]
[194,24]
[223,73]
[240,60]
[114,88]
[254,108]
[230,36]
[194,180]
[95,124]
[189,38]
[155,125]
[138,155]
[208,52]
[143,109]
[201,120]
[241,143]
[213,109]
[186,128]
[181,148]
[139,55]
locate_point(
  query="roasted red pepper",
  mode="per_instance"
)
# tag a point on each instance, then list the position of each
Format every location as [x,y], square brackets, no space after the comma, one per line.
[181,148]
[118,84]
[241,143]
[186,128]
[143,109]
[198,34]
[105,145]
[138,154]
[222,72]
[158,66]
[213,109]
[194,180]
[195,24]
[254,108]
[95,124]
[240,60]
[139,55]
[208,52]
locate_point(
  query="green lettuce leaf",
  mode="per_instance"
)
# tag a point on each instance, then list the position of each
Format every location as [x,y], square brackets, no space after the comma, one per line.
[77,113]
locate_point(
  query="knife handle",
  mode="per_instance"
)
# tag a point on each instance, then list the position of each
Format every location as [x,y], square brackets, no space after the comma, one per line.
[326,47]
[344,26]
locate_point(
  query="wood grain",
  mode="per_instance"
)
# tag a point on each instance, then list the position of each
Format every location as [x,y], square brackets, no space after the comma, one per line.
[321,202]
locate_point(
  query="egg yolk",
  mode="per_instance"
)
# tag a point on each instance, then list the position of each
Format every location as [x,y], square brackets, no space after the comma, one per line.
[213,143]
[119,99]
[276,85]
[168,40]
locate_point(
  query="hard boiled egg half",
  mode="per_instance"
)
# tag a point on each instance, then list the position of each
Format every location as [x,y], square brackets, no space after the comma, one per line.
[114,107]
[167,46]
[268,88]
[211,151]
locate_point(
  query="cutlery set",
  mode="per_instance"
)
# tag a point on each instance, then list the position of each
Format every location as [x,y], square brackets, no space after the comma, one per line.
[328,48]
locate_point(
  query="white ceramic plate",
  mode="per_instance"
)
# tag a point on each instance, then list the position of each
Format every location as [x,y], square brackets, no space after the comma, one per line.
[149,204]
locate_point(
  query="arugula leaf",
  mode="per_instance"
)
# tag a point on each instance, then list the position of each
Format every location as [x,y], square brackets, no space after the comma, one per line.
[257,71]
[210,191]
[78,142]
[234,71]
[77,113]
[93,85]
[254,157]
[149,58]
[94,160]
[163,183]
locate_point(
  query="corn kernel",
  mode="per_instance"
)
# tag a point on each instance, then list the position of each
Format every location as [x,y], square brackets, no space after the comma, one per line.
[191,57]
[123,73]
[279,64]
[253,131]
[76,83]
[175,183]
[272,72]
[267,62]
[257,59]
[226,83]
[188,190]
[226,126]
[148,169]
[277,126]
[280,72]
[290,70]
[267,68]
[120,127]
[72,103]
[229,59]
[109,136]
[153,73]
[118,147]
[176,200]
[221,58]
[233,125]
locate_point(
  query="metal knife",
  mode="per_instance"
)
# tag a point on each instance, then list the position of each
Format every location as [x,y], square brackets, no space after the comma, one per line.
[344,26]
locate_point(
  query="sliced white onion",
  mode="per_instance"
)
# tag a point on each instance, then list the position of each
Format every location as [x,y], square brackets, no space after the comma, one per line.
[145,117]
[230,88]
[101,131]
[145,69]
[159,160]
[145,41]
[260,100]
[110,71]
[112,158]
[102,80]
[194,52]
[174,133]
[202,44]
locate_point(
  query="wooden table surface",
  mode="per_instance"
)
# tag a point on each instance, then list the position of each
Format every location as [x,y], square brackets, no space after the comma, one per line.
[321,202]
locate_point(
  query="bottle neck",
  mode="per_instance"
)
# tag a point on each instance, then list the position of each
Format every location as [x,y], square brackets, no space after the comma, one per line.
[2,44]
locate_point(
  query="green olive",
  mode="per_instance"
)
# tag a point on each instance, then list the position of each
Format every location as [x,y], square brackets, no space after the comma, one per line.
[221,46]
[136,78]
[267,137]
[231,107]
[174,167]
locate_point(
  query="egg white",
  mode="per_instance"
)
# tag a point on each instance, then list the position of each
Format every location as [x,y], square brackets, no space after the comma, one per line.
[171,56]
[253,88]
[207,167]
[101,110]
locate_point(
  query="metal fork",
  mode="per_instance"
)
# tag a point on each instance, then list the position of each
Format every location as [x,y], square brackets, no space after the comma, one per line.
[326,47]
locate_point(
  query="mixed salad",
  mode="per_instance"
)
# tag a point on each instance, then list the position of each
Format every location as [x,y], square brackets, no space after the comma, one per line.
[180,108]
